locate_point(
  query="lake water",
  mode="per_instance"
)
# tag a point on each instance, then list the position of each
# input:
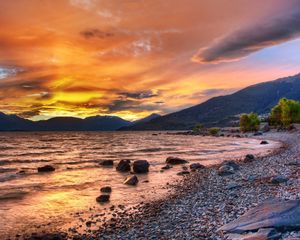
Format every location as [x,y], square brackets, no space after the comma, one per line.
[34,200]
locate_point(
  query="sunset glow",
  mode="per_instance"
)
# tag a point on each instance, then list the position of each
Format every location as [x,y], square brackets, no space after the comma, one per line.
[131,58]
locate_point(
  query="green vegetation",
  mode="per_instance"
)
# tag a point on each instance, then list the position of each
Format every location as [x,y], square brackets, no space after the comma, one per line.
[214,131]
[249,122]
[198,128]
[285,113]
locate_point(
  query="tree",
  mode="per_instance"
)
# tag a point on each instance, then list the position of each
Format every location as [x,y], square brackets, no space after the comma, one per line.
[286,112]
[249,122]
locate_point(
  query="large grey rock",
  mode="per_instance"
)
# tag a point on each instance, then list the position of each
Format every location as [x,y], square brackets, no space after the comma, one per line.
[270,214]
[261,234]
[141,166]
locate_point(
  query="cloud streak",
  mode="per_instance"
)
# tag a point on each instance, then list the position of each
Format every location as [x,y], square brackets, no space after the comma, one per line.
[246,41]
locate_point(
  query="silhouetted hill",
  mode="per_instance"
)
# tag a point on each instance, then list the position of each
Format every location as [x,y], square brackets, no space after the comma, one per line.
[220,111]
[13,123]
[95,123]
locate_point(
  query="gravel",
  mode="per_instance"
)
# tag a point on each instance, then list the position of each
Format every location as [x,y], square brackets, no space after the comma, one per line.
[204,201]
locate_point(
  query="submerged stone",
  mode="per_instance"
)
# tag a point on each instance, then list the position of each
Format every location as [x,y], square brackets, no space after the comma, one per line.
[175,160]
[47,168]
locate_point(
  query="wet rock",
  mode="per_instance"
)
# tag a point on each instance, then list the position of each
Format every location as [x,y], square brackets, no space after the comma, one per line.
[103,198]
[278,179]
[123,166]
[47,168]
[233,185]
[166,167]
[225,170]
[183,173]
[251,178]
[107,163]
[131,180]
[249,158]
[196,166]
[106,189]
[232,164]
[257,134]
[270,214]
[141,166]
[175,160]
[264,142]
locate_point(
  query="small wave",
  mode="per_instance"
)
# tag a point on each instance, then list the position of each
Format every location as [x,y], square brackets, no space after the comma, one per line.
[79,162]
[13,195]
[6,162]
[5,170]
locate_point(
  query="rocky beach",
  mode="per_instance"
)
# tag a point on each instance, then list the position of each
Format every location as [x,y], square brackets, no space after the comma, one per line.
[207,198]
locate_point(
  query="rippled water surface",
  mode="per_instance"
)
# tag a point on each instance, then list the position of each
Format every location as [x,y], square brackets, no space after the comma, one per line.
[29,199]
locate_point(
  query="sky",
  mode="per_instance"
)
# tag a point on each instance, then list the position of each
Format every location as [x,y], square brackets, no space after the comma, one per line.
[131,58]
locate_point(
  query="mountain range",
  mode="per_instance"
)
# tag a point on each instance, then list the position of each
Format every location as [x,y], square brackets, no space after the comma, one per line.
[223,110]
[217,111]
[96,123]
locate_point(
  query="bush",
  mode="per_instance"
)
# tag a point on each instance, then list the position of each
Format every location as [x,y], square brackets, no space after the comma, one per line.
[285,113]
[214,131]
[198,128]
[249,122]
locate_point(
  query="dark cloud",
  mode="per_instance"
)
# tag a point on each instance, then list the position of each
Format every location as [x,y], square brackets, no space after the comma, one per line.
[95,33]
[139,95]
[245,41]
[29,114]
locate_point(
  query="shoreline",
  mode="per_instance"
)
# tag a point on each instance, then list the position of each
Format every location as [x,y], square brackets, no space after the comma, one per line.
[142,221]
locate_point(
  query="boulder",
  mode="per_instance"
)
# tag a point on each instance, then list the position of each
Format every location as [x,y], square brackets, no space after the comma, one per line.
[276,213]
[278,179]
[232,164]
[131,180]
[249,158]
[264,142]
[141,166]
[225,170]
[175,160]
[106,189]
[166,167]
[123,166]
[103,198]
[47,168]
[196,166]
[107,163]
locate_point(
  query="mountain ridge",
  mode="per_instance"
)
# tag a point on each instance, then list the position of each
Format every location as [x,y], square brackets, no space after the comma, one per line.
[93,123]
[222,110]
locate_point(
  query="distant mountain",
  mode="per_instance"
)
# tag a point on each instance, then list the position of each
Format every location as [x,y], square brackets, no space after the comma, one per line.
[220,111]
[13,123]
[147,119]
[95,123]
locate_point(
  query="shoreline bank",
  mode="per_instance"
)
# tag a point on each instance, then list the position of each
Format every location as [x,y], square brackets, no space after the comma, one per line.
[203,201]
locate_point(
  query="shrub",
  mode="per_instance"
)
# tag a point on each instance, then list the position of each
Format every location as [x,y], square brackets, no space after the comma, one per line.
[214,131]
[286,112]
[249,122]
[198,128]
